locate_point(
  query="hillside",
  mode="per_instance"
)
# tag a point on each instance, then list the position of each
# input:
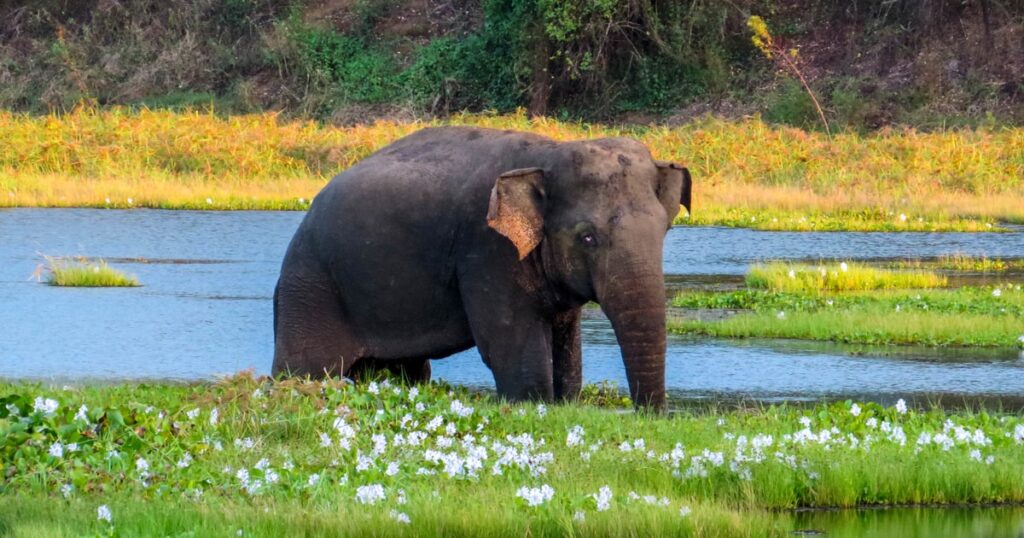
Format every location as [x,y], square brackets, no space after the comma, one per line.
[873,63]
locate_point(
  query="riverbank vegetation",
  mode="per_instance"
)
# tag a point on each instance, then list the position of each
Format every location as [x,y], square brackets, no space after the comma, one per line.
[85,273]
[747,173]
[836,276]
[252,457]
[987,316]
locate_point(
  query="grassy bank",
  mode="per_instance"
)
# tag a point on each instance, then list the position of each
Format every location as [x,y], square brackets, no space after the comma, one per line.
[262,458]
[749,174]
[988,316]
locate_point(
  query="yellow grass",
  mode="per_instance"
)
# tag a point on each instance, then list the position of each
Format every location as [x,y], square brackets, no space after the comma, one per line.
[747,173]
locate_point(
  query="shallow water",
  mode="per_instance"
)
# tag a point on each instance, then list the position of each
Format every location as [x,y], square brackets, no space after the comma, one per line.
[205,309]
[923,522]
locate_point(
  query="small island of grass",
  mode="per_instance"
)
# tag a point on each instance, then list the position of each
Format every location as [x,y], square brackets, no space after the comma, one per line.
[86,273]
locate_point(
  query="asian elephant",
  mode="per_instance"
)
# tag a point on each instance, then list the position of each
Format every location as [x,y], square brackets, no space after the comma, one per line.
[456,236]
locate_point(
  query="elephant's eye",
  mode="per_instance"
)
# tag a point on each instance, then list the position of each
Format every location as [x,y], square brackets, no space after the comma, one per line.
[588,239]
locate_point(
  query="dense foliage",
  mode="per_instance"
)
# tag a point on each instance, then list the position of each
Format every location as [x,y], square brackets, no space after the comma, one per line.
[319,58]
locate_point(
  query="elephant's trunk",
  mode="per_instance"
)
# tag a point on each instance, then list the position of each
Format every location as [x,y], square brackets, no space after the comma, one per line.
[633,297]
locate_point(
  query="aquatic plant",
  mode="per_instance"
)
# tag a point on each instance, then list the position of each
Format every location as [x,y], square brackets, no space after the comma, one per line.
[84,272]
[971,316]
[842,276]
[964,263]
[262,458]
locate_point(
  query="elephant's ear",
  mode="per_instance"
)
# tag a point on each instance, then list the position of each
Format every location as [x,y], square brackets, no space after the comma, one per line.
[674,188]
[516,209]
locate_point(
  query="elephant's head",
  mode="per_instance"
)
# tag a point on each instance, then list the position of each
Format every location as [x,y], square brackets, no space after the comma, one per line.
[596,214]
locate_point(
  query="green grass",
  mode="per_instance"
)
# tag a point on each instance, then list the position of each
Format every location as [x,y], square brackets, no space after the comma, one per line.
[843,276]
[969,316]
[746,173]
[964,263]
[85,273]
[213,458]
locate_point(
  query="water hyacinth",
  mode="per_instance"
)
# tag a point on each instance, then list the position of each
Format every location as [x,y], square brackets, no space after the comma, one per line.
[370,494]
[536,496]
[395,461]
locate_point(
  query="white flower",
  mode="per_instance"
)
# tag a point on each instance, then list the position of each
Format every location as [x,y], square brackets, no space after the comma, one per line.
[579,516]
[975,454]
[536,496]
[997,292]
[130,201]
[903,218]
[313,480]
[103,514]
[855,410]
[66,490]
[684,511]
[82,414]
[302,200]
[843,267]
[400,498]
[400,517]
[871,422]
[45,406]
[781,315]
[901,406]
[373,388]
[370,494]
[792,274]
[413,393]
[603,498]
[575,436]
[192,414]
[57,450]
[213,416]
[141,465]
[392,469]
[209,201]
[542,410]
[459,409]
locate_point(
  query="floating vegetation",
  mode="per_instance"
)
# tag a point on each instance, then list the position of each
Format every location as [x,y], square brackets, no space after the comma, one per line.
[86,273]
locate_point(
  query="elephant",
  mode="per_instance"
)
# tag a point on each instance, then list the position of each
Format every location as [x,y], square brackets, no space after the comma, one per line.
[459,236]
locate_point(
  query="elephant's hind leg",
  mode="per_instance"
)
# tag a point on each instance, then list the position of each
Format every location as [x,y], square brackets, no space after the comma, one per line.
[311,337]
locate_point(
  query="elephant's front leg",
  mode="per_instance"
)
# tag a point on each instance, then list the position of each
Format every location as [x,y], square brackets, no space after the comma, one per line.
[567,355]
[515,342]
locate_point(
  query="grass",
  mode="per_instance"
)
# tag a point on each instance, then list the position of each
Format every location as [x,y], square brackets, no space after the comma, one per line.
[982,316]
[292,457]
[748,173]
[842,276]
[964,263]
[85,273]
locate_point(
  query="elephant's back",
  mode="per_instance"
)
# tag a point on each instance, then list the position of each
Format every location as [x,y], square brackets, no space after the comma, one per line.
[426,181]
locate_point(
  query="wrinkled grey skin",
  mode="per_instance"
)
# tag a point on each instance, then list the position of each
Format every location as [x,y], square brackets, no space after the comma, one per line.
[457,236]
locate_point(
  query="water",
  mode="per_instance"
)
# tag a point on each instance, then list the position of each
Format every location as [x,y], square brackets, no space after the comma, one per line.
[205,309]
[923,522]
